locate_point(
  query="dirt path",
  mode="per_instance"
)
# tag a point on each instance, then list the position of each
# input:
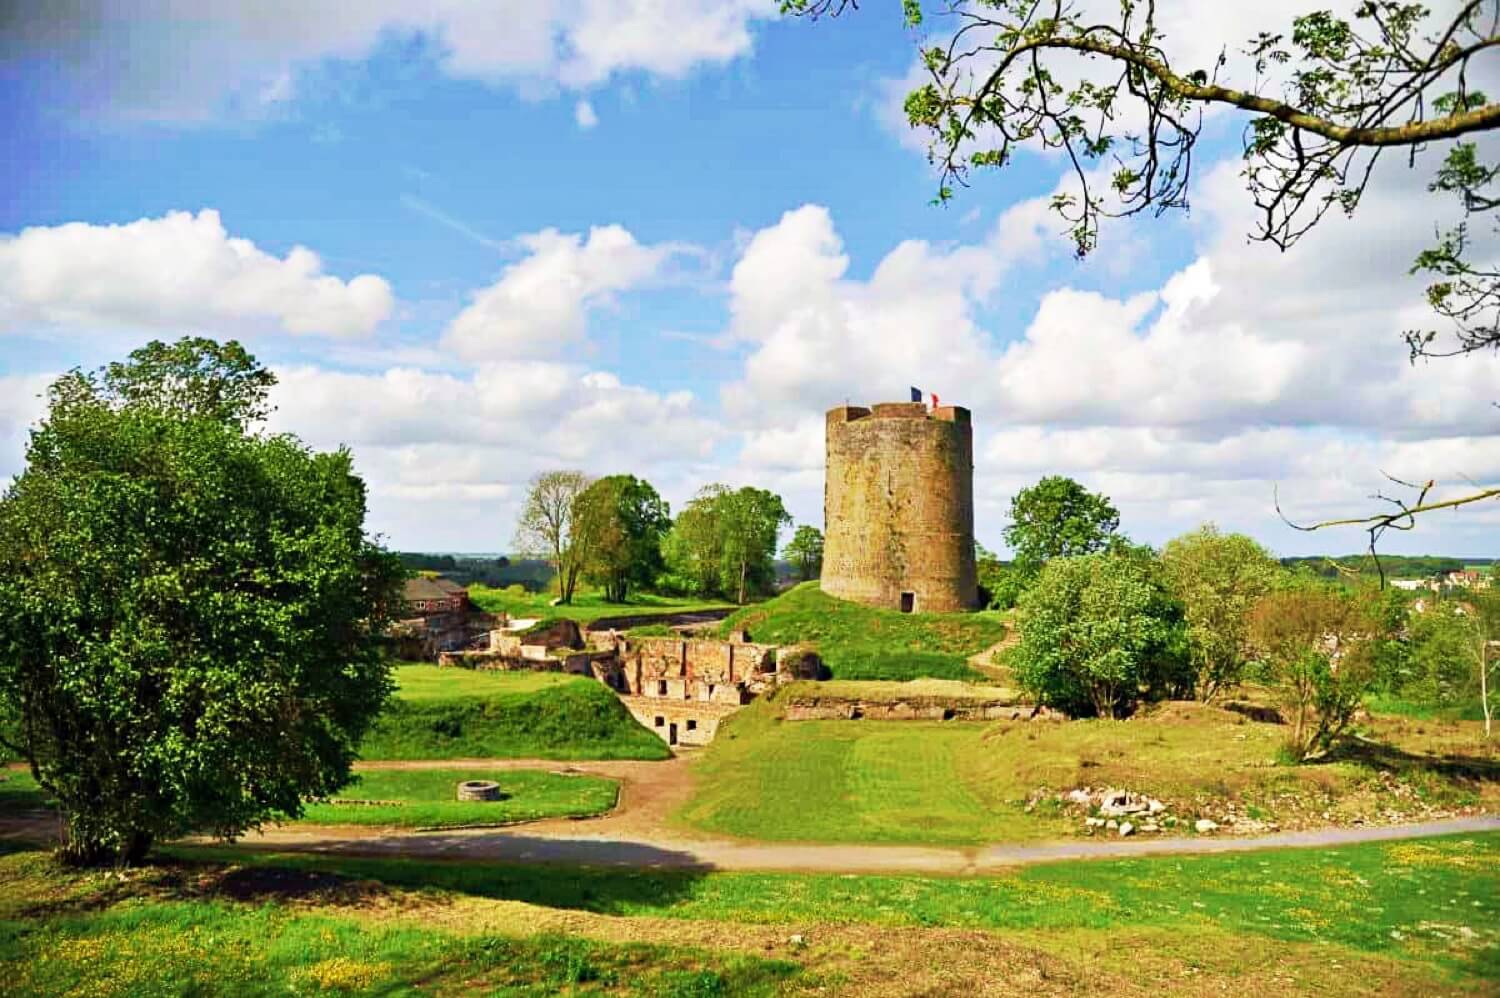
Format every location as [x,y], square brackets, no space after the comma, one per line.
[984,661]
[649,791]
[638,834]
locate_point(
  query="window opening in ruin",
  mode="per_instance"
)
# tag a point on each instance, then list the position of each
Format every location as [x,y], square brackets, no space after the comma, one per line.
[692,725]
[661,687]
[908,602]
[660,721]
[710,691]
[672,735]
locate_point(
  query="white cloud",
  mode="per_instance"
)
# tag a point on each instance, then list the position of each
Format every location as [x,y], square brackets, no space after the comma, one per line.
[539,307]
[177,272]
[192,62]
[447,457]
[1246,370]
[584,115]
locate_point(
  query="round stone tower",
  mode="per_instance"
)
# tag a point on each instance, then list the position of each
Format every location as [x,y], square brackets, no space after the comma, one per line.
[898,507]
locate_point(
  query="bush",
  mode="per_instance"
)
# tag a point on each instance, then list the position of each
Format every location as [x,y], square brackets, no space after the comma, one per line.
[1317,647]
[1098,632]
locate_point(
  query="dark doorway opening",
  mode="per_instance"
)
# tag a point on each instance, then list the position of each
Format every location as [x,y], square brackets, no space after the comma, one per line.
[672,734]
[908,602]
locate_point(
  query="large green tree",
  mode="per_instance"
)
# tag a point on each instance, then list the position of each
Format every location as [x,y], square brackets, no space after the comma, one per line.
[193,610]
[1058,518]
[805,550]
[618,523]
[1098,632]
[1218,578]
[724,541]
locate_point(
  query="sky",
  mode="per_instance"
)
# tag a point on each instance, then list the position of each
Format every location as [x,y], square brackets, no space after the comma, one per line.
[477,241]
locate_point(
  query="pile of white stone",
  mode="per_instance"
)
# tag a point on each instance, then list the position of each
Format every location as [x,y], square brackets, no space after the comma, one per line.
[1125,812]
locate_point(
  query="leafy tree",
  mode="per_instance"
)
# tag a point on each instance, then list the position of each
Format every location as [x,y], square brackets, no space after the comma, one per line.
[1218,579]
[545,527]
[1000,584]
[1317,645]
[1444,654]
[618,523]
[191,640]
[1396,77]
[724,541]
[1098,631]
[752,518]
[1058,518]
[805,550]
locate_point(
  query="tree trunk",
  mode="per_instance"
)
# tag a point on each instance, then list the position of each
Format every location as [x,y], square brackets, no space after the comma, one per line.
[744,568]
[1484,683]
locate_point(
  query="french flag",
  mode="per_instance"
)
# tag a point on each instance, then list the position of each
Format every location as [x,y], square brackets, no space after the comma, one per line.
[916,396]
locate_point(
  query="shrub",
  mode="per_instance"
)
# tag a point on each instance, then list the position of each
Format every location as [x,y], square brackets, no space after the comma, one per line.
[1317,647]
[1098,632]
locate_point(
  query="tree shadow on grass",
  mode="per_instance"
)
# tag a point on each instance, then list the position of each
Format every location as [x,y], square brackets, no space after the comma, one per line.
[1468,771]
[604,877]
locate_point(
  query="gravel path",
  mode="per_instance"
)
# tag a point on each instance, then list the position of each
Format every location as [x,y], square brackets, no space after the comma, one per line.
[538,845]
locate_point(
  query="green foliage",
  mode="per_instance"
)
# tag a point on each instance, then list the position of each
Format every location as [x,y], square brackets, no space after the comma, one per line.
[1058,518]
[1098,632]
[1445,644]
[1218,578]
[191,640]
[506,715]
[618,523]
[1318,648]
[1000,585]
[426,798]
[805,550]
[861,642]
[724,543]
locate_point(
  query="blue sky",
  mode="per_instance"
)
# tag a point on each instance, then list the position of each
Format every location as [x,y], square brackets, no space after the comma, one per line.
[663,239]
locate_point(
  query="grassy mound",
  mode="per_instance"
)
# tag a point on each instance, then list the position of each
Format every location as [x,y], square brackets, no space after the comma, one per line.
[587,605]
[461,714]
[966,783]
[426,799]
[861,642]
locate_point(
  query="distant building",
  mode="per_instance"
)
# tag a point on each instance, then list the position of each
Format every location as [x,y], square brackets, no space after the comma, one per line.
[1410,585]
[1467,579]
[425,596]
[437,617]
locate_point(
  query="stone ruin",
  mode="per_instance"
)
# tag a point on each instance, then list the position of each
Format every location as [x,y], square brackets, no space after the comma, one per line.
[678,687]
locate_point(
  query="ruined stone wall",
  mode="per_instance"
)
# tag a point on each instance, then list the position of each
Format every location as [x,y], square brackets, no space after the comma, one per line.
[681,722]
[898,507]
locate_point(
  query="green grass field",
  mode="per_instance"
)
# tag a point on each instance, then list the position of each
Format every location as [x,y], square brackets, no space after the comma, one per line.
[587,605]
[969,783]
[420,798]
[64,932]
[859,642]
[427,799]
[1414,917]
[452,713]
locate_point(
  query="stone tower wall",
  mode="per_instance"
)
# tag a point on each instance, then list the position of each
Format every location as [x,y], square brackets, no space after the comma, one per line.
[898,506]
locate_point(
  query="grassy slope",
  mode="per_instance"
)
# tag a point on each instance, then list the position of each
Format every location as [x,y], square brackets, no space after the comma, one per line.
[420,798]
[1429,905]
[968,783]
[587,604]
[428,799]
[860,642]
[61,932]
[457,714]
